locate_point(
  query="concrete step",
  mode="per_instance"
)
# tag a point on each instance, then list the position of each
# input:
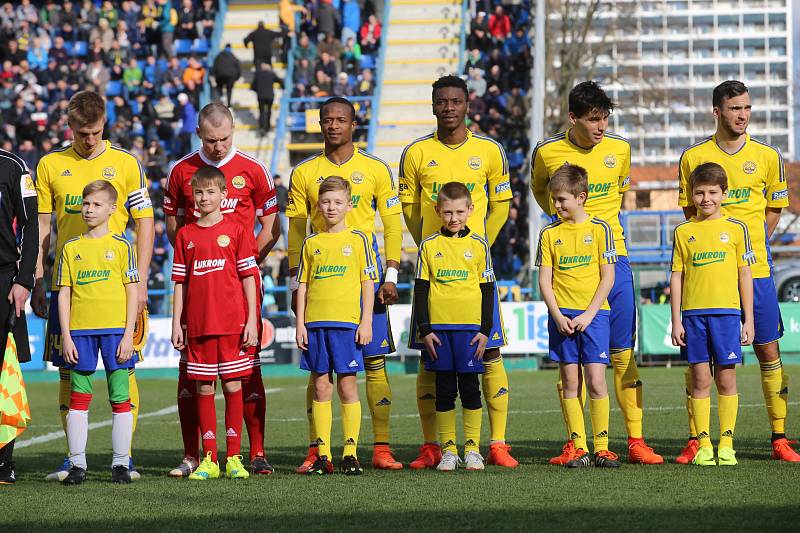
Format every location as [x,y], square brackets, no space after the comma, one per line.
[425,10]
[423,30]
[420,90]
[411,69]
[251,17]
[396,114]
[422,49]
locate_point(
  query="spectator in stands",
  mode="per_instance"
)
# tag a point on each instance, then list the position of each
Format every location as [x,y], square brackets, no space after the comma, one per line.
[98,75]
[476,83]
[206,18]
[157,161]
[499,24]
[193,78]
[14,54]
[166,27]
[226,71]
[186,22]
[132,78]
[474,60]
[286,13]
[264,80]
[366,85]
[329,19]
[351,57]
[304,72]
[322,84]
[304,49]
[262,40]
[327,64]
[370,35]
[282,196]
[351,19]
[342,86]
[58,51]
[331,46]
[188,122]
[37,54]
[479,40]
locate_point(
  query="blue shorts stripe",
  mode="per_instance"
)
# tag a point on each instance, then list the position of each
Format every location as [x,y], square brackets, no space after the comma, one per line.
[622,301]
[766,311]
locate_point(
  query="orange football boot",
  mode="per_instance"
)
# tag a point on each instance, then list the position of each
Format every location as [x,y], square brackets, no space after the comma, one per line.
[429,457]
[567,454]
[309,461]
[499,455]
[382,458]
[688,453]
[642,454]
[782,450]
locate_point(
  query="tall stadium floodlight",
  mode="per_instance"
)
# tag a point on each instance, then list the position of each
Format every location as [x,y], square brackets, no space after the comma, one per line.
[536,127]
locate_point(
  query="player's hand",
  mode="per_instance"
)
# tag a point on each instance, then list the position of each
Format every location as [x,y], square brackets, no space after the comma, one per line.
[39,300]
[748,332]
[364,333]
[125,349]
[301,336]
[581,322]
[250,333]
[679,334]
[480,339]
[431,341]
[18,296]
[564,325]
[69,350]
[141,304]
[387,294]
[178,337]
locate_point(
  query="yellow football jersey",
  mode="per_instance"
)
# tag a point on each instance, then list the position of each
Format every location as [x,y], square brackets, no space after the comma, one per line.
[608,165]
[709,253]
[455,268]
[334,265]
[373,191]
[755,181]
[61,176]
[575,253]
[97,270]
[479,163]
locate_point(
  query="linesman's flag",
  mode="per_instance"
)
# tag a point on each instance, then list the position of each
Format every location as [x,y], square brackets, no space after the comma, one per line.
[15,413]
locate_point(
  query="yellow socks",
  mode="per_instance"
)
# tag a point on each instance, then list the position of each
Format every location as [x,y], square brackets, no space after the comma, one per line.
[599,410]
[559,388]
[64,395]
[775,386]
[446,424]
[577,429]
[472,429]
[351,426]
[312,434]
[701,412]
[426,403]
[495,392]
[628,387]
[728,409]
[133,392]
[379,397]
[687,378]
[322,414]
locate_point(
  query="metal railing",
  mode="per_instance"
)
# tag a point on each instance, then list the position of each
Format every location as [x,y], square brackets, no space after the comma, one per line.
[372,134]
[288,87]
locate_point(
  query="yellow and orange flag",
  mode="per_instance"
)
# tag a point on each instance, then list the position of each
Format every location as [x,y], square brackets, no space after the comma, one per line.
[15,413]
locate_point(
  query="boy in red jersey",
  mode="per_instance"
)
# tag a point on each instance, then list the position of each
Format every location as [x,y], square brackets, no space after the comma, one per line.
[218,253]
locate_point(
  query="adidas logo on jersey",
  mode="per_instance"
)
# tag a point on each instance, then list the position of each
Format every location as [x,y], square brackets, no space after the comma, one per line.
[449,443]
[190,245]
[66,173]
[438,255]
[317,252]
[231,433]
[384,402]
[731,356]
[558,242]
[784,390]
[385,344]
[353,363]
[501,392]
[78,257]
[427,396]
[185,393]
[209,435]
[691,238]
[433,163]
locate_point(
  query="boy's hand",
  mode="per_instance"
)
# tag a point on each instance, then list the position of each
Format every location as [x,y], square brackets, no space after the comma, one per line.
[69,350]
[480,339]
[364,333]
[301,337]
[387,294]
[250,333]
[748,332]
[125,348]
[564,325]
[431,341]
[581,322]
[678,334]
[178,337]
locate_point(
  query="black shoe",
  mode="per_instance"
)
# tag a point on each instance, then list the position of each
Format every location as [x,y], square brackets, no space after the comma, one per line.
[259,465]
[75,476]
[320,467]
[7,476]
[584,460]
[119,474]
[350,466]
[606,459]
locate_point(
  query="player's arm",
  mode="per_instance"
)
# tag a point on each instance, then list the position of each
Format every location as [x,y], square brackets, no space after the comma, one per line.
[44,197]
[544,260]
[251,327]
[297,233]
[68,348]
[582,321]
[499,191]
[24,199]
[409,193]
[411,214]
[178,332]
[676,291]
[392,243]
[746,295]
[125,348]
[777,192]
[496,219]
[174,223]
[301,334]
[364,331]
[773,216]
[267,237]
[540,177]
[684,194]
[145,236]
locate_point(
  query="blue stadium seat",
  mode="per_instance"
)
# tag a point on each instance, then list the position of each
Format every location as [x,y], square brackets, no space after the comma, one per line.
[368,61]
[69,46]
[183,46]
[200,46]
[111,112]
[80,49]
[114,88]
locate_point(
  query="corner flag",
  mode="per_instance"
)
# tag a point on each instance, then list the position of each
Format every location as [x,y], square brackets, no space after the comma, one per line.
[15,413]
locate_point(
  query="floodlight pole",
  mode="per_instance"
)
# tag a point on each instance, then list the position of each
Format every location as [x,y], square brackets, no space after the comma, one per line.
[536,134]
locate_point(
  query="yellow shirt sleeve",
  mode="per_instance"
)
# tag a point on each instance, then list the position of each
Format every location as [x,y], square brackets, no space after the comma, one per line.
[303,274]
[684,171]
[677,252]
[297,203]
[499,184]
[409,179]
[44,193]
[64,269]
[625,171]
[604,238]
[297,232]
[484,263]
[777,192]
[127,263]
[423,269]
[139,203]
[540,177]
[544,255]
[369,271]
[390,212]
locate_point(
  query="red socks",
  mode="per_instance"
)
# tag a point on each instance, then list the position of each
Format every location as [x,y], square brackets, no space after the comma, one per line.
[255,409]
[233,422]
[207,416]
[79,401]
[187,413]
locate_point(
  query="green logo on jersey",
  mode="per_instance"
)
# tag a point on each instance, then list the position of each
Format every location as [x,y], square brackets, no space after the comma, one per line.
[449,275]
[71,202]
[567,262]
[436,187]
[700,259]
[355,198]
[86,277]
[596,190]
[737,196]
[329,271]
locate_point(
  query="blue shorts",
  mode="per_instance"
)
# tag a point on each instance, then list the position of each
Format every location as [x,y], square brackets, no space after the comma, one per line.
[766,312]
[590,346]
[712,336]
[455,354]
[88,347]
[332,350]
[622,301]
[382,340]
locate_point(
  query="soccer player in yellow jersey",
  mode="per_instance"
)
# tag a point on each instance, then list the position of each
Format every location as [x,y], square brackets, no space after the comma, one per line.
[712,250]
[757,193]
[336,277]
[60,178]
[453,153]
[576,257]
[373,192]
[606,157]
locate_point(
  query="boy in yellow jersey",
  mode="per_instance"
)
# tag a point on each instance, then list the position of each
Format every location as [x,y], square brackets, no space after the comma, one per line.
[335,296]
[712,249]
[60,178]
[607,160]
[373,192]
[453,307]
[453,153]
[576,257]
[757,192]
[97,276]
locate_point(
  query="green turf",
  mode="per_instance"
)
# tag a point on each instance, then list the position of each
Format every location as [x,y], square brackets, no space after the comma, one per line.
[759,494]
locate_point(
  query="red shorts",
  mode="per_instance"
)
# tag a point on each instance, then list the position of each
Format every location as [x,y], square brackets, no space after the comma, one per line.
[217,355]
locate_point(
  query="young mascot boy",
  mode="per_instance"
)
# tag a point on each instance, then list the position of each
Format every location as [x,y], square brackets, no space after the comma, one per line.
[335,296]
[453,307]
[214,260]
[97,303]
[712,250]
[576,259]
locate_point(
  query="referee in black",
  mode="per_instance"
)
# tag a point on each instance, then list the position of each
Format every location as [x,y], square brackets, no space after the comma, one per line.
[19,238]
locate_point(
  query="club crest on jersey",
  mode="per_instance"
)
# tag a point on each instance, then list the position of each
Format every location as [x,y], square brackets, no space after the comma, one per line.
[724,237]
[474,162]
[610,161]
[109,173]
[238,182]
[749,167]
[357,177]
[467,255]
[223,240]
[587,239]
[109,255]
[347,250]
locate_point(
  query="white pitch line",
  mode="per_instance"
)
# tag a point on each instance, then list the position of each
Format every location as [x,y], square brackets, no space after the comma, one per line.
[55,435]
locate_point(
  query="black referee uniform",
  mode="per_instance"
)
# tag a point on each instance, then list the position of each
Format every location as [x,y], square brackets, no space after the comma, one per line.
[19,243]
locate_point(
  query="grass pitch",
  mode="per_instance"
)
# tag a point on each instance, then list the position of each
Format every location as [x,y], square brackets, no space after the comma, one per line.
[759,494]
